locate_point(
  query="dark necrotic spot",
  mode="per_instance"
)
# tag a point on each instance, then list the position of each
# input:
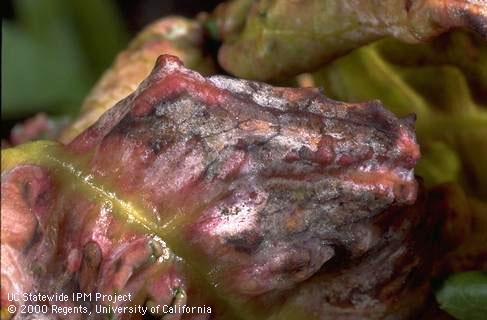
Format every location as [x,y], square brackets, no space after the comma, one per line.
[340,259]
[476,22]
[92,254]
[125,125]
[408,4]
[247,242]
[34,240]
[161,108]
[26,193]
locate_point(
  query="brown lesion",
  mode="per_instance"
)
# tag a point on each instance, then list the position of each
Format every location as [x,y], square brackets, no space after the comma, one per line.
[90,263]
[245,242]
[469,14]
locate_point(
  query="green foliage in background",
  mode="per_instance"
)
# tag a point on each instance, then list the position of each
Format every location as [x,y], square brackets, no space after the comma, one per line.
[444,83]
[464,295]
[53,53]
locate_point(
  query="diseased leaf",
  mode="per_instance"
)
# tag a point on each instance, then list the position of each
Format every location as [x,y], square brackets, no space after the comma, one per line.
[282,38]
[182,191]
[171,35]
[445,84]
[448,103]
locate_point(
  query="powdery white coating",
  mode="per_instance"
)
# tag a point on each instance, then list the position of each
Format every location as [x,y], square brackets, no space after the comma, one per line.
[261,95]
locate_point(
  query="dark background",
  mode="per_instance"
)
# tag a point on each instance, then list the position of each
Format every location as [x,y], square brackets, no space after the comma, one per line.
[138,13]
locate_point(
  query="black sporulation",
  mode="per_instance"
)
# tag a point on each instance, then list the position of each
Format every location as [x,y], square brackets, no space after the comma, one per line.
[476,22]
[247,242]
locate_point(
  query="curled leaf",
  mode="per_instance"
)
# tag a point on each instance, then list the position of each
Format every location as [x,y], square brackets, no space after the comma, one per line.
[283,38]
[447,96]
[182,191]
[170,35]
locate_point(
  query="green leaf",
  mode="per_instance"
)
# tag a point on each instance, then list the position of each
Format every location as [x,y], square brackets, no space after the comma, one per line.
[54,52]
[440,164]
[464,295]
[92,16]
[36,77]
